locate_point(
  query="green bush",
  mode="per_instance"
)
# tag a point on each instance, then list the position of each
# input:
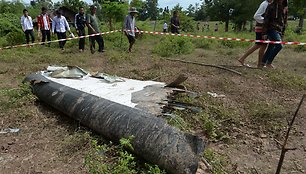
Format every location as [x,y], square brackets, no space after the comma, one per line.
[7,26]
[173,46]
[204,43]
[3,42]
[14,38]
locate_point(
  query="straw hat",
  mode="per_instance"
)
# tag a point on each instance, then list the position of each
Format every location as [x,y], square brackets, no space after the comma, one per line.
[133,10]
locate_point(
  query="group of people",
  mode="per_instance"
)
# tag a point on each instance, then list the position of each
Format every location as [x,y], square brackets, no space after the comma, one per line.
[59,25]
[270,24]
[44,27]
[174,24]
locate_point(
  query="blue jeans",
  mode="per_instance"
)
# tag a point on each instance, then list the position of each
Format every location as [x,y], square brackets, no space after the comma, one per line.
[273,49]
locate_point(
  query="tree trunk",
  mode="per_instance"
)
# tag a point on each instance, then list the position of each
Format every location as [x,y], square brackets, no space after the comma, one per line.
[227,22]
[301,22]
[299,28]
[155,25]
[226,25]
[251,25]
[110,24]
[243,25]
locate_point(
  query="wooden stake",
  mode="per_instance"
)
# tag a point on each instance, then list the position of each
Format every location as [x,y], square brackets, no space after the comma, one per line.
[284,148]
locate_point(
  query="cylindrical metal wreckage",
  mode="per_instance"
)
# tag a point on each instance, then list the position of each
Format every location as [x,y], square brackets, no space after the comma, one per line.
[154,140]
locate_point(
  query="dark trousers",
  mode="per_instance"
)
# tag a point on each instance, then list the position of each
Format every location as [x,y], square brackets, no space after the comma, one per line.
[100,41]
[175,30]
[273,49]
[45,34]
[61,36]
[82,40]
[29,33]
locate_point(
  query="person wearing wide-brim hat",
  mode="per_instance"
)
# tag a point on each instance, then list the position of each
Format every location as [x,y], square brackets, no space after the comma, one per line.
[130,26]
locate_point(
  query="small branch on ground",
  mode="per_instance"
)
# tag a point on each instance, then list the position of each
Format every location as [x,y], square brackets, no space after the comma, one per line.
[284,149]
[209,167]
[202,64]
[254,171]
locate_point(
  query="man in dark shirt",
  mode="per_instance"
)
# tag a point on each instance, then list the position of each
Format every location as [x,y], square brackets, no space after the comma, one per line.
[274,22]
[80,22]
[130,27]
[92,23]
[175,23]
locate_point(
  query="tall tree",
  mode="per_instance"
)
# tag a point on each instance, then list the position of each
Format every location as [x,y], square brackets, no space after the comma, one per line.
[73,4]
[191,10]
[237,11]
[151,9]
[114,11]
[140,6]
[201,14]
[299,8]
[220,10]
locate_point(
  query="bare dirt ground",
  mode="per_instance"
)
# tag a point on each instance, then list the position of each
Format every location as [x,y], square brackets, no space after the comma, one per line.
[263,100]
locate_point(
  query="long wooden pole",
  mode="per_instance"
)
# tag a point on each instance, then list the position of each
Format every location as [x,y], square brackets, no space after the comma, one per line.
[284,148]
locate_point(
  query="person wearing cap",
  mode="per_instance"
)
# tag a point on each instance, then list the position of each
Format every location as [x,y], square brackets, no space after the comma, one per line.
[130,26]
[80,22]
[273,28]
[43,23]
[175,23]
[60,26]
[27,26]
[92,23]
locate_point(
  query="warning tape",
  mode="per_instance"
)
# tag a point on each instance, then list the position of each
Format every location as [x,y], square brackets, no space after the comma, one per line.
[166,34]
[73,38]
[226,38]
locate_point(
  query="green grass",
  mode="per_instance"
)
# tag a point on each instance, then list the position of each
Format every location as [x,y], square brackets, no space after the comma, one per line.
[216,160]
[116,159]
[213,118]
[216,118]
[270,116]
[287,80]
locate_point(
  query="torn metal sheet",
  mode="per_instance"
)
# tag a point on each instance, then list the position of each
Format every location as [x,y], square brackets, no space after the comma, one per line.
[9,130]
[108,78]
[72,72]
[121,110]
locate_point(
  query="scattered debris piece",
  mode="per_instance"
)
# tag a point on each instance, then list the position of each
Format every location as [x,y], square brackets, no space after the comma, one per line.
[108,78]
[9,130]
[215,95]
[263,136]
[72,72]
[179,80]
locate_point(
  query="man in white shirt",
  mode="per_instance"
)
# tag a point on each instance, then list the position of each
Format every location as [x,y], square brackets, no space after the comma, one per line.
[259,17]
[27,26]
[60,26]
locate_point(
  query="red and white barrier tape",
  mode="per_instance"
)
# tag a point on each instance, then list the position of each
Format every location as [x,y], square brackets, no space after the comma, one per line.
[225,39]
[53,41]
[167,34]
